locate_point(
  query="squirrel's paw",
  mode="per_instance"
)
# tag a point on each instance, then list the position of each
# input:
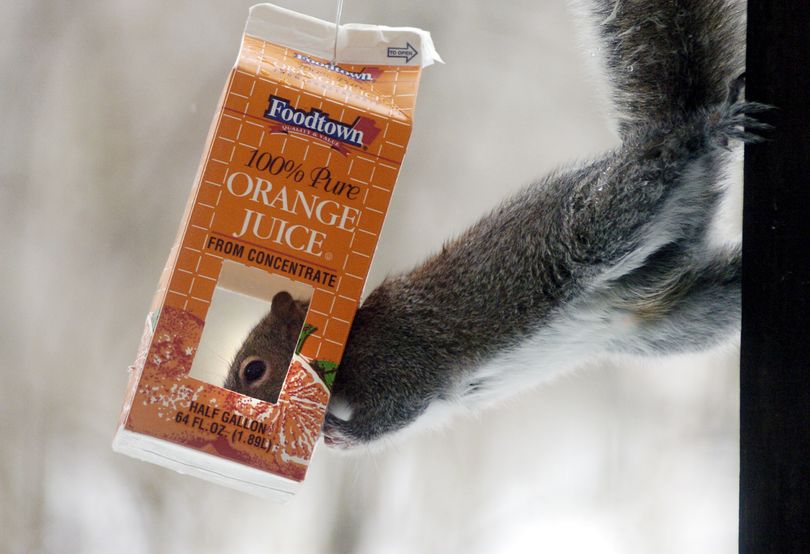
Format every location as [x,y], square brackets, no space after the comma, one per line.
[738,121]
[372,413]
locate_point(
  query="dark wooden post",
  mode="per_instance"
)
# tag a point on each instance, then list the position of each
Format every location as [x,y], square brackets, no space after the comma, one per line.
[775,355]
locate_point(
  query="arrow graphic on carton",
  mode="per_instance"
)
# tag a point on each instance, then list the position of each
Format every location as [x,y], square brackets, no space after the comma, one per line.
[408,52]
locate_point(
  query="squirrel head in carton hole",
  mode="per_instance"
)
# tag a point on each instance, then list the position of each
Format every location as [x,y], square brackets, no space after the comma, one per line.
[260,365]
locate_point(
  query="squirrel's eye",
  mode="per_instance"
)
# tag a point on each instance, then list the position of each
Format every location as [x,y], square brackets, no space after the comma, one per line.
[254,370]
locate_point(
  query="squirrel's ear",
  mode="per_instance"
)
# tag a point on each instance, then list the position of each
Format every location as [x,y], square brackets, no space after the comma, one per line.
[282,304]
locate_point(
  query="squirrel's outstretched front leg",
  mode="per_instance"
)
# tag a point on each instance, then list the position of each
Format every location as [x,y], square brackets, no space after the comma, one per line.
[610,256]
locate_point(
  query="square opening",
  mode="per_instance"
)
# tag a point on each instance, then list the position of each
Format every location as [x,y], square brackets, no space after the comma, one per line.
[251,331]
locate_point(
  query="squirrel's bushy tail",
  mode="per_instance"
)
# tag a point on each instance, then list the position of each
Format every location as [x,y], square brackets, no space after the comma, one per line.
[667,57]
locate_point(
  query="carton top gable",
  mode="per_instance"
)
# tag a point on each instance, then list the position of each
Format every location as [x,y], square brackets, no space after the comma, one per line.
[357,74]
[357,43]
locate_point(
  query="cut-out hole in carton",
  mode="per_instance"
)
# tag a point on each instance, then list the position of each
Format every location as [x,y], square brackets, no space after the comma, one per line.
[251,331]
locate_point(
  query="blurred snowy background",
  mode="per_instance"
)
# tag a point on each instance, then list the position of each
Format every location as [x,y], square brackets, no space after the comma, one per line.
[106,106]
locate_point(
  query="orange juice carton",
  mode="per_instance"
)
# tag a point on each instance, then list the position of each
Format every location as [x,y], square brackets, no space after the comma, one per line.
[253,309]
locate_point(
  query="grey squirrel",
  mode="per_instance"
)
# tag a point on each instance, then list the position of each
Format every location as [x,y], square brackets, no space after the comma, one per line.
[613,256]
[260,364]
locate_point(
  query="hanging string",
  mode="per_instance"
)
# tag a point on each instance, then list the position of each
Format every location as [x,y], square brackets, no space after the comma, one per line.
[337,29]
